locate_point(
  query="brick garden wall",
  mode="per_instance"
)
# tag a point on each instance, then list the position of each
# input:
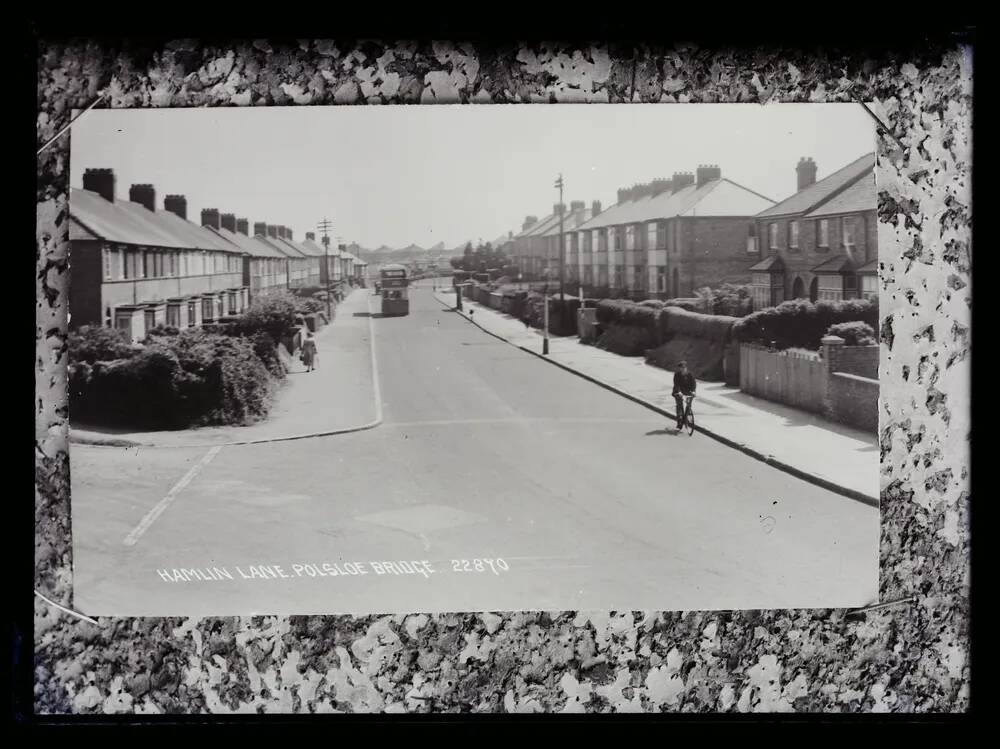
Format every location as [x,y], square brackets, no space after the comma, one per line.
[852,400]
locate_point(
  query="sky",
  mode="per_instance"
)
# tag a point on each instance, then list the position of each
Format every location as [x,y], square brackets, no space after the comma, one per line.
[396,175]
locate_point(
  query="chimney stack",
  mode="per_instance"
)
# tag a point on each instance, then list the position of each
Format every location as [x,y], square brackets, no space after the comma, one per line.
[577,206]
[144,195]
[288,234]
[681,180]
[259,229]
[805,173]
[242,226]
[272,231]
[176,204]
[101,181]
[228,221]
[210,217]
[311,236]
[708,172]
[529,221]
[559,208]
[595,208]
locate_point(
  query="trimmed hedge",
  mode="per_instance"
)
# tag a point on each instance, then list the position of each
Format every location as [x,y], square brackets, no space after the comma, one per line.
[626,340]
[624,312]
[533,312]
[704,357]
[678,321]
[802,323]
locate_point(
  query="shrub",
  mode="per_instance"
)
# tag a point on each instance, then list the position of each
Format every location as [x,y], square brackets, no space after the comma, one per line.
[624,312]
[801,323]
[562,319]
[94,343]
[855,333]
[309,306]
[272,312]
[703,356]
[652,303]
[691,305]
[733,300]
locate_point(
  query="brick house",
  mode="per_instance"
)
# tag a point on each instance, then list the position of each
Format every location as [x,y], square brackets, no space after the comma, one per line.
[672,236]
[301,267]
[264,269]
[820,243]
[134,267]
[329,255]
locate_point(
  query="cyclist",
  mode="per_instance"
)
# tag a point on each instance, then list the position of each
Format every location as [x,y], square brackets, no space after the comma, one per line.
[684,384]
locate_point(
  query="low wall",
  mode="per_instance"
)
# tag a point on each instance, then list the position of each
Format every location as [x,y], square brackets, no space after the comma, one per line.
[822,384]
[853,400]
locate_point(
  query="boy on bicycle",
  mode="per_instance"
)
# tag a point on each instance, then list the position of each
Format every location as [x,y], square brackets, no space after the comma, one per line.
[684,384]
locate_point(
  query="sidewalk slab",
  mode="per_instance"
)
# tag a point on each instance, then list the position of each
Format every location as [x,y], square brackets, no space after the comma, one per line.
[339,395]
[838,457]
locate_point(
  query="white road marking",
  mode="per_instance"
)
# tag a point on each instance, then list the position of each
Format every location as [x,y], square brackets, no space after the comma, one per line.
[162,505]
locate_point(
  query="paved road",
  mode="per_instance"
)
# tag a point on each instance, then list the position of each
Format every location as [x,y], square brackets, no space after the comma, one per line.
[502,483]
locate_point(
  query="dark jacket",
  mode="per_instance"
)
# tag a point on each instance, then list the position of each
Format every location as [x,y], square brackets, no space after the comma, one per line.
[684,383]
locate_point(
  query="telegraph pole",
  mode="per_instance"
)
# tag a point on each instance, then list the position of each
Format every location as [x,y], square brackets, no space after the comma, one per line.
[562,253]
[325,226]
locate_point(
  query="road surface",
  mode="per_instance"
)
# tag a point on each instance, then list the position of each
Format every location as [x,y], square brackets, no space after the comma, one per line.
[495,482]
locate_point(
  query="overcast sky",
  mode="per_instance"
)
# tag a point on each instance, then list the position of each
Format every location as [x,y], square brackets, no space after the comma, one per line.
[397,175]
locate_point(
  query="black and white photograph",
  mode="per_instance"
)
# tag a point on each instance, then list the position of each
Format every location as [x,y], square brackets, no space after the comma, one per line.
[392,359]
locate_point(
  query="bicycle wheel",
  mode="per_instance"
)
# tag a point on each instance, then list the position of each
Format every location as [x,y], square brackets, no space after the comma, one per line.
[690,421]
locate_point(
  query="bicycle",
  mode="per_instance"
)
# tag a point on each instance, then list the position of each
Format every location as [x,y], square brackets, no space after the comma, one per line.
[687,417]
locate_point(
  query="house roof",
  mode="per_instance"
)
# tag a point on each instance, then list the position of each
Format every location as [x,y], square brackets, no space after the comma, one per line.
[870,267]
[126,222]
[250,245]
[838,264]
[770,263]
[284,249]
[300,248]
[820,192]
[317,249]
[859,196]
[719,197]
[572,223]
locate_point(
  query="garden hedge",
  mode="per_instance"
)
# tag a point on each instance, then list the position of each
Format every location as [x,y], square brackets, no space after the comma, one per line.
[801,323]
[678,321]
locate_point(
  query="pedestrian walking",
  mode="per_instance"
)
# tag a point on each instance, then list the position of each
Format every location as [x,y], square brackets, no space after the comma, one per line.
[309,352]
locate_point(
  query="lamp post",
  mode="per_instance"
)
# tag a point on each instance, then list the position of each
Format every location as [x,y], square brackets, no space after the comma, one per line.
[562,256]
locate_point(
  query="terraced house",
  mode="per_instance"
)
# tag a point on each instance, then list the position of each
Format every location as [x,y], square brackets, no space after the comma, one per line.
[134,267]
[670,236]
[822,242]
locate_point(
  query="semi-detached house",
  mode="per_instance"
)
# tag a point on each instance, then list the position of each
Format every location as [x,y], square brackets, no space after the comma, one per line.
[822,242]
[671,236]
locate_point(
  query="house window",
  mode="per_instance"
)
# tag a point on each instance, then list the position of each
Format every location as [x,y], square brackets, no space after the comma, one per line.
[145,264]
[192,313]
[232,302]
[869,286]
[107,263]
[677,236]
[629,237]
[661,279]
[793,235]
[174,315]
[752,240]
[150,319]
[772,236]
[823,233]
[847,231]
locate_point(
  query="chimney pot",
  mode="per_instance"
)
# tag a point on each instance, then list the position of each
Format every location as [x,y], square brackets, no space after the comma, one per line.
[260,229]
[242,226]
[176,204]
[101,181]
[210,217]
[310,236]
[144,195]
[707,173]
[228,221]
[272,231]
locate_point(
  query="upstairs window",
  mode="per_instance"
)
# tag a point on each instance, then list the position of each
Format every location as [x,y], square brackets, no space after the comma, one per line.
[823,234]
[847,232]
[772,236]
[793,235]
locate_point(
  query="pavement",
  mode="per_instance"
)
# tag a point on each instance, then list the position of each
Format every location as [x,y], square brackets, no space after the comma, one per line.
[337,396]
[840,458]
[494,482]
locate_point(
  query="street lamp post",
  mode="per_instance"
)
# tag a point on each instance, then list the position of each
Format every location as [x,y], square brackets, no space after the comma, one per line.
[562,253]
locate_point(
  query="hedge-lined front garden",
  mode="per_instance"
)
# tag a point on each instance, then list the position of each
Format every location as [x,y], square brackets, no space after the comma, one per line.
[800,323]
[223,374]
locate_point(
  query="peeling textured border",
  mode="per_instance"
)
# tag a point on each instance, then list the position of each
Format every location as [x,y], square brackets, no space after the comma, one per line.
[908,660]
